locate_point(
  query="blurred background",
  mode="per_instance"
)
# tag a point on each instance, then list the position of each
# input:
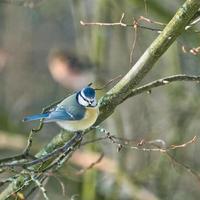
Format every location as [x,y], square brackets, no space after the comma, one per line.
[45,55]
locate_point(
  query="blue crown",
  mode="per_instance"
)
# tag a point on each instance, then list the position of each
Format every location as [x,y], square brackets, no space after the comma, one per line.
[88,92]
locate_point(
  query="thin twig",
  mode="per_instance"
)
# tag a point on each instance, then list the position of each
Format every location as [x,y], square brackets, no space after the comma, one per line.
[187,168]
[93,141]
[82,171]
[122,24]
[126,143]
[194,50]
[134,41]
[136,25]
[62,185]
[193,140]
[140,146]
[108,83]
[184,166]
[142,18]
[30,138]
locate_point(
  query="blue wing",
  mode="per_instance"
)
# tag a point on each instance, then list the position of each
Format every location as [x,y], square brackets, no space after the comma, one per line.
[59,114]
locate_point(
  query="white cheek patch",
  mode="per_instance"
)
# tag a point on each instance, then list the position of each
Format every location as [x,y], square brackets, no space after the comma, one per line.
[94,103]
[82,101]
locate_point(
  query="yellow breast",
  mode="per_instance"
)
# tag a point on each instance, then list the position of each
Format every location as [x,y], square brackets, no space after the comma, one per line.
[89,119]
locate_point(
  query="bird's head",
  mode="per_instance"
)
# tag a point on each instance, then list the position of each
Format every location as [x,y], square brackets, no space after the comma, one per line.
[87,97]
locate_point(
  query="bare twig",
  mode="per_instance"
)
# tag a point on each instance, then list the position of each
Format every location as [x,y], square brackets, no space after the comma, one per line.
[194,51]
[122,24]
[141,145]
[82,171]
[142,18]
[62,185]
[30,138]
[126,143]
[108,83]
[134,40]
[165,150]
[186,167]
[137,25]
[193,140]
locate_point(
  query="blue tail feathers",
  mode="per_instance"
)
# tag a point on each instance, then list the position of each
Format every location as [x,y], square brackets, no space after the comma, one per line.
[35,117]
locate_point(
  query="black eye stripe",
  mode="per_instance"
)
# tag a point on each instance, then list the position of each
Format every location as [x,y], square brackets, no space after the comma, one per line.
[84,98]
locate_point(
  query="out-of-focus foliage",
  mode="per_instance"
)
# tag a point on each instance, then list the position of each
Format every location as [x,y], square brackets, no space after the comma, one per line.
[50,34]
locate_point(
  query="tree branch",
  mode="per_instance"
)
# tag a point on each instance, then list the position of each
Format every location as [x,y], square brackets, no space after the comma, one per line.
[124,88]
[145,63]
[163,81]
[124,25]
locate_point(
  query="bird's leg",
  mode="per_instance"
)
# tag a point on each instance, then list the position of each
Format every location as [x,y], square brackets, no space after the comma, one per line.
[66,152]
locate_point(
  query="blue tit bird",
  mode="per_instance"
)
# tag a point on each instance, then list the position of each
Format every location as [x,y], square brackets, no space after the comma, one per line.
[75,113]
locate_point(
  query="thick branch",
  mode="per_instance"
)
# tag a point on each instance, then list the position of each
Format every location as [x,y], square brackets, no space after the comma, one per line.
[173,29]
[124,88]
